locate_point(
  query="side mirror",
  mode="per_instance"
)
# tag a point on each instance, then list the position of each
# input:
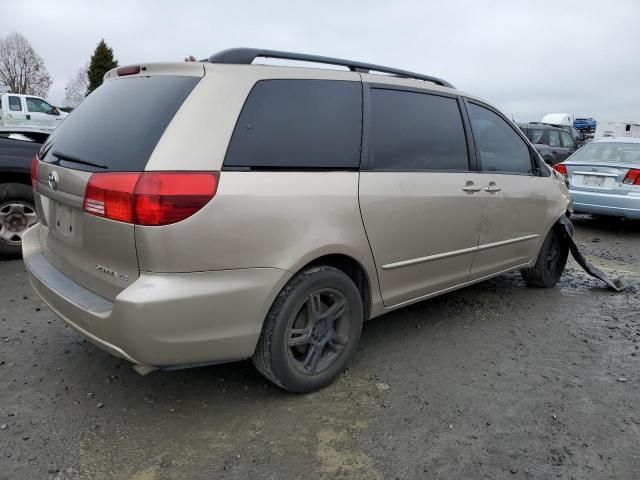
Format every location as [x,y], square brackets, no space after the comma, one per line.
[54,111]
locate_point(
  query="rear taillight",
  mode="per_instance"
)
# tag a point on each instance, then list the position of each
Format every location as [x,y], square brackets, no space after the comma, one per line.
[632,177]
[561,168]
[149,198]
[110,195]
[164,198]
[34,172]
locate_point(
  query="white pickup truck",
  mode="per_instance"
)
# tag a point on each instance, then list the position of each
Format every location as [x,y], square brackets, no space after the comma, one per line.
[28,114]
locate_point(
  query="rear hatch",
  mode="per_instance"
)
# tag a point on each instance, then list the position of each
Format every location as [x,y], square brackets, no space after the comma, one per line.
[605,167]
[114,130]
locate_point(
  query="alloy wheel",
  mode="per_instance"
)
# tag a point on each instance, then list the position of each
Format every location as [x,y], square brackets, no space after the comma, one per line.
[318,331]
[15,217]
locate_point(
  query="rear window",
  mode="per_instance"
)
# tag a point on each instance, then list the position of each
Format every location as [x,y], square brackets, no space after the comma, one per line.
[119,124]
[299,124]
[613,152]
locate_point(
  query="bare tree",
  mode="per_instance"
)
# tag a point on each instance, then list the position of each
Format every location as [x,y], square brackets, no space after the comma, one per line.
[76,89]
[21,68]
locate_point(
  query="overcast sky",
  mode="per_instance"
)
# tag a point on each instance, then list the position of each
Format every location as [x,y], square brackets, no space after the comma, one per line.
[526,57]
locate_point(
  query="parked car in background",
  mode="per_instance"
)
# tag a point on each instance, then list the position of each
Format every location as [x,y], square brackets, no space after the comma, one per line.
[554,144]
[617,129]
[604,177]
[28,114]
[17,207]
[321,198]
[585,124]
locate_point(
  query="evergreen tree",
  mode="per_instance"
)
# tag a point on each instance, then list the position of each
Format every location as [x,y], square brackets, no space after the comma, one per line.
[101,62]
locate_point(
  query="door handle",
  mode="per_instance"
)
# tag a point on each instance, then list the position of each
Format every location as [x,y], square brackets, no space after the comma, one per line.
[470,187]
[492,187]
[28,117]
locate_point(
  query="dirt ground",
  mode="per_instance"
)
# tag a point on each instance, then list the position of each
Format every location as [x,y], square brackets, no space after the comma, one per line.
[494,381]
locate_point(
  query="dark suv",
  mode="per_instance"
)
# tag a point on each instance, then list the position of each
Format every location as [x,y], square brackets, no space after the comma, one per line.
[553,143]
[17,207]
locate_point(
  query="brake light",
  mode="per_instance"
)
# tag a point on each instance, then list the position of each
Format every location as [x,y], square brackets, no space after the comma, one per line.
[632,177]
[34,172]
[110,195]
[165,198]
[149,198]
[132,70]
[561,168]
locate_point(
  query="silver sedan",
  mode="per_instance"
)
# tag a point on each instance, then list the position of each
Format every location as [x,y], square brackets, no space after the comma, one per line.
[604,177]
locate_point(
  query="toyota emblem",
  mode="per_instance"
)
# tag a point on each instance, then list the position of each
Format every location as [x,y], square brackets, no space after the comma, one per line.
[53,180]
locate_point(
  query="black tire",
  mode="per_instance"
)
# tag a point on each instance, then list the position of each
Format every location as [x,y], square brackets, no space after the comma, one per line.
[551,260]
[12,224]
[296,317]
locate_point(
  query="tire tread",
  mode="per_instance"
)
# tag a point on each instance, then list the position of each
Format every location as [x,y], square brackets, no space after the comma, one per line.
[537,276]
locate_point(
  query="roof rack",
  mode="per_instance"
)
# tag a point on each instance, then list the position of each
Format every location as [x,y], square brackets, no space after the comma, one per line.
[245,56]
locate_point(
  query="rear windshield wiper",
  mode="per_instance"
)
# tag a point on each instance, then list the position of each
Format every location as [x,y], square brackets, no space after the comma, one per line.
[71,158]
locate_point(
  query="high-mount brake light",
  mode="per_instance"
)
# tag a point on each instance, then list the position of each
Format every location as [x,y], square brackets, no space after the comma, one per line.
[561,168]
[149,198]
[133,70]
[632,177]
[34,172]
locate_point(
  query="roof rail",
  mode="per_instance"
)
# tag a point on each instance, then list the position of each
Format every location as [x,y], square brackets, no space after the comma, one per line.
[246,56]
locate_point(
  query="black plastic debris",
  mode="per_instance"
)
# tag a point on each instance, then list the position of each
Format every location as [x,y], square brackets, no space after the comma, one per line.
[617,284]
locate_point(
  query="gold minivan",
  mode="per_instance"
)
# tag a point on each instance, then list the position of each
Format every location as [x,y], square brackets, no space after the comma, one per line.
[204,212]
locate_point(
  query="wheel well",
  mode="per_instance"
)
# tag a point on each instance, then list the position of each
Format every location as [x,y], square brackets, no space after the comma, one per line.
[14,177]
[353,270]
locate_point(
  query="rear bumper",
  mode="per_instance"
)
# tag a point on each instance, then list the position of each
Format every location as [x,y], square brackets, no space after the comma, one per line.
[164,320]
[627,206]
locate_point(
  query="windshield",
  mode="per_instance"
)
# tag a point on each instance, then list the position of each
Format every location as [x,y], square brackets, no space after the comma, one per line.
[614,152]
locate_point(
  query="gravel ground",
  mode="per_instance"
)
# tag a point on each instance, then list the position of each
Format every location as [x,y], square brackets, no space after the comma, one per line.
[494,381]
